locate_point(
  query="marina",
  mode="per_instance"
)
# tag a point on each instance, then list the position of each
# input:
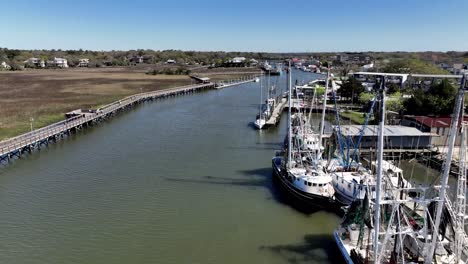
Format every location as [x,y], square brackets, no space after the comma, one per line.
[100,196]
[301,177]
[208,132]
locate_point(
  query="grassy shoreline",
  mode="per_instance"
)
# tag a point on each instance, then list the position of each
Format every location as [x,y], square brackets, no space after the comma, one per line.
[46,95]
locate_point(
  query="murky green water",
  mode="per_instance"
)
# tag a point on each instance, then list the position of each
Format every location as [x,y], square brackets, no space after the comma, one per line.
[185,180]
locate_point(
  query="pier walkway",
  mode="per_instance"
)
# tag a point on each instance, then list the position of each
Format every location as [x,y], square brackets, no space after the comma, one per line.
[15,147]
[221,85]
[276,115]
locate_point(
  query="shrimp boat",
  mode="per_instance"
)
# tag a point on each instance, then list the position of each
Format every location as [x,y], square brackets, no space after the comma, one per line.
[300,174]
[404,223]
[351,180]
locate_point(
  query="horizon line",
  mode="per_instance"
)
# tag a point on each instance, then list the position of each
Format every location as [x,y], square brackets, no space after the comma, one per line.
[238,51]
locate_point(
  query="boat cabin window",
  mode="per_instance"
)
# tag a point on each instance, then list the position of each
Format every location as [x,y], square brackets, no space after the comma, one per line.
[309,184]
[305,183]
[315,185]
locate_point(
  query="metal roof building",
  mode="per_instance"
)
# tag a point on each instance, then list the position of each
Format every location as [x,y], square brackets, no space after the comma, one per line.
[395,136]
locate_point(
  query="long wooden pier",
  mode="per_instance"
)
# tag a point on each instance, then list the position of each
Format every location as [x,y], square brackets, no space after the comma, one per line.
[222,85]
[276,115]
[15,147]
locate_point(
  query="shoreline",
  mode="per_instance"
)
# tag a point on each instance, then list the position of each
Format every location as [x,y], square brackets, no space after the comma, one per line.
[15,147]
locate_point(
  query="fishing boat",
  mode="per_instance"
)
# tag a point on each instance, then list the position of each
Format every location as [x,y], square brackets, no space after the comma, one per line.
[299,173]
[266,109]
[261,117]
[408,224]
[272,70]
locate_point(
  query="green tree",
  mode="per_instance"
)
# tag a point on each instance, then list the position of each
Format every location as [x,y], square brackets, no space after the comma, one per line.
[438,100]
[412,66]
[365,97]
[351,89]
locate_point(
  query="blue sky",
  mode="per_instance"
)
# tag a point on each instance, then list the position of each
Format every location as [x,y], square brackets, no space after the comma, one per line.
[242,25]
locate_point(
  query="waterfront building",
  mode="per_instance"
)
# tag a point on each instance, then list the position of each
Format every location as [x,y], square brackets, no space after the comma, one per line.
[396,137]
[439,126]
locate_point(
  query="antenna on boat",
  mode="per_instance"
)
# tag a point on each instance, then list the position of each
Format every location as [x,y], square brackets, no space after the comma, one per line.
[380,144]
[289,117]
[447,164]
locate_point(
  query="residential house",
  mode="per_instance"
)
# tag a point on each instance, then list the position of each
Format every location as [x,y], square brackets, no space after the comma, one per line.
[443,66]
[459,68]
[5,66]
[238,60]
[136,59]
[38,63]
[354,58]
[436,125]
[60,63]
[253,62]
[83,63]
[170,61]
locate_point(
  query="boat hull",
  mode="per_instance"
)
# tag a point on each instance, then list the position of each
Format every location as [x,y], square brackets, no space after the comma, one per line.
[343,198]
[305,202]
[342,248]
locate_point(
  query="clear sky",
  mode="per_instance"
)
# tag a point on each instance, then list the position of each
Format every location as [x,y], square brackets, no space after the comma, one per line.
[240,25]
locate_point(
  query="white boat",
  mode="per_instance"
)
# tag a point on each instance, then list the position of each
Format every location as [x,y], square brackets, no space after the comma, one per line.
[301,173]
[260,123]
[404,223]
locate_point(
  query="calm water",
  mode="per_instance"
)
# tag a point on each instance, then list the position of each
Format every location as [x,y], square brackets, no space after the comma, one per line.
[185,180]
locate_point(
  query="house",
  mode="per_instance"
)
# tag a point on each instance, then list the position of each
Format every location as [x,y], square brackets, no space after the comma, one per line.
[443,66]
[396,137]
[5,66]
[353,58]
[253,62]
[38,63]
[436,125]
[170,61]
[238,60]
[459,68]
[136,59]
[60,63]
[83,63]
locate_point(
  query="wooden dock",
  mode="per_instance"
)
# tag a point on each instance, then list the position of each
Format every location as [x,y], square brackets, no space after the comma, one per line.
[276,115]
[15,147]
[222,85]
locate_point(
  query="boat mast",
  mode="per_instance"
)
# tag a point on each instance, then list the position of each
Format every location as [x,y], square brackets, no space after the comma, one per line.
[289,117]
[379,167]
[447,163]
[324,106]
[461,197]
[261,95]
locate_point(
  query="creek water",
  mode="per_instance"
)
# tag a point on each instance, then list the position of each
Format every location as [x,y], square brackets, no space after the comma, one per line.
[182,180]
